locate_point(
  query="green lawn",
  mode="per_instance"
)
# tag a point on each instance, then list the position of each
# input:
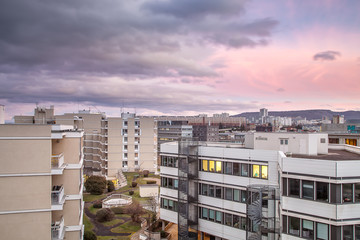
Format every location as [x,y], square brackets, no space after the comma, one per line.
[93,210]
[128,227]
[88,225]
[113,222]
[89,198]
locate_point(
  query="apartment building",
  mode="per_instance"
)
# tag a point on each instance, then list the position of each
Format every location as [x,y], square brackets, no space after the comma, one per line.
[227,191]
[41,181]
[207,133]
[169,131]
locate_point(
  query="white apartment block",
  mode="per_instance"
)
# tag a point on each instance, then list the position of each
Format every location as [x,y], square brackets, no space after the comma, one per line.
[226,191]
[41,178]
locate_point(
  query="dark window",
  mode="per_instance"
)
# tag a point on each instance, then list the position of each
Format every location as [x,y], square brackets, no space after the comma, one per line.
[357,232]
[204,189]
[228,194]
[236,221]
[347,193]
[170,183]
[348,232]
[335,193]
[244,170]
[236,169]
[357,192]
[284,182]
[211,191]
[228,219]
[228,168]
[243,196]
[308,189]
[243,223]
[322,191]
[335,232]
[218,192]
[307,229]
[294,226]
[294,187]
[284,220]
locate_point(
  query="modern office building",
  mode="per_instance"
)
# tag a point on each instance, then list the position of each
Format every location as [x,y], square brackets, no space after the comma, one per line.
[169,131]
[207,133]
[41,179]
[227,191]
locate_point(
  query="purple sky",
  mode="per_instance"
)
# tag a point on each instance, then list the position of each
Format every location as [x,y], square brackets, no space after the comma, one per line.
[179,57]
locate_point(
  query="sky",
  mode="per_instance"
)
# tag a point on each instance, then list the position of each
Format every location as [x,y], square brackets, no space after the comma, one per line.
[171,57]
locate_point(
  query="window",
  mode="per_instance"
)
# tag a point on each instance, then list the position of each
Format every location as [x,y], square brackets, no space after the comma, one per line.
[243,196]
[218,217]
[308,189]
[236,221]
[307,229]
[322,191]
[228,168]
[264,172]
[218,166]
[256,171]
[348,232]
[236,169]
[218,192]
[322,140]
[166,203]
[125,123]
[125,147]
[170,183]
[347,193]
[211,215]
[204,189]
[228,194]
[204,213]
[357,192]
[136,147]
[357,232]
[164,182]
[294,187]
[211,190]
[125,139]
[124,163]
[284,185]
[176,184]
[171,205]
[322,231]
[136,155]
[294,226]
[125,155]
[136,163]
[244,170]
[236,195]
[124,131]
[243,223]
[211,166]
[205,165]
[228,219]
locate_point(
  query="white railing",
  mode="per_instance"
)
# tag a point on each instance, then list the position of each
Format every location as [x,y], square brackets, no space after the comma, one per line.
[57,229]
[346,147]
[57,195]
[57,160]
[116,200]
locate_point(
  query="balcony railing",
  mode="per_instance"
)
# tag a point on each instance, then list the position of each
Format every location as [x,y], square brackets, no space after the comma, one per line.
[57,160]
[58,229]
[57,195]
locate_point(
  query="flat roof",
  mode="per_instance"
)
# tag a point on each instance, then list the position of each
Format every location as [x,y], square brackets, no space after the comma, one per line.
[332,155]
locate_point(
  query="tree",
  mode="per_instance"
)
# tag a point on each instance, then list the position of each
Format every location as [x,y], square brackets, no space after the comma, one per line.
[89,235]
[135,210]
[104,215]
[152,204]
[95,185]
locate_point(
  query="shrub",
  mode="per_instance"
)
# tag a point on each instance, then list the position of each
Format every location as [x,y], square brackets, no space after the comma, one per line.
[163,234]
[105,215]
[110,186]
[146,173]
[97,204]
[89,235]
[131,192]
[119,210]
[135,210]
[134,184]
[150,182]
[95,185]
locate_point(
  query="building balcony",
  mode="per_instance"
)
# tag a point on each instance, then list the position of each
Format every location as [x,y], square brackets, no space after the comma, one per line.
[58,229]
[57,197]
[57,164]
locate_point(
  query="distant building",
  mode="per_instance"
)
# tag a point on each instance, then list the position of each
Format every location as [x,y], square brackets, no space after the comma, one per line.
[207,133]
[263,115]
[42,115]
[264,128]
[2,114]
[169,131]
[338,119]
[41,181]
[222,120]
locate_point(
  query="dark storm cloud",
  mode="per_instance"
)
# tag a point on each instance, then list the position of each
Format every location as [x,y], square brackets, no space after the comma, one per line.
[326,56]
[57,50]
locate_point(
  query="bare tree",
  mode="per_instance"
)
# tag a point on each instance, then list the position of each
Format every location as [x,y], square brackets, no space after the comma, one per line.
[135,210]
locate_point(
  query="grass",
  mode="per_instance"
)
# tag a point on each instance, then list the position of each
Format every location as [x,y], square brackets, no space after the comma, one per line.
[88,225]
[113,237]
[113,222]
[93,210]
[128,227]
[91,198]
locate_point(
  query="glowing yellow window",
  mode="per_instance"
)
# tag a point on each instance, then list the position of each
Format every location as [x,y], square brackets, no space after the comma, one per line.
[256,171]
[264,172]
[218,166]
[205,165]
[212,166]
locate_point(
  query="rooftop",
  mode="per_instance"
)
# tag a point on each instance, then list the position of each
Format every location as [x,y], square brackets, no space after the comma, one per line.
[332,155]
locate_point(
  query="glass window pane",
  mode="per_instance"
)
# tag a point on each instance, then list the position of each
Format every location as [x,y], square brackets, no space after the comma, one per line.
[228,219]
[308,229]
[237,195]
[205,213]
[357,232]
[166,203]
[322,231]
[236,169]
[228,168]
[236,221]
[211,215]
[211,190]
[171,204]
[264,172]
[176,184]
[294,187]
[294,226]
[228,194]
[218,217]
[256,171]
[308,189]
[218,192]
[170,183]
[243,223]
[322,191]
[357,192]
[218,166]
[347,193]
[204,189]
[243,196]
[284,184]
[211,166]
[244,170]
[205,165]
[348,232]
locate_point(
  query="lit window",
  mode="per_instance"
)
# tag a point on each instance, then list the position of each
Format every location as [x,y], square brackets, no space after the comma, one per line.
[256,171]
[264,172]
[218,166]
[205,165]
[212,166]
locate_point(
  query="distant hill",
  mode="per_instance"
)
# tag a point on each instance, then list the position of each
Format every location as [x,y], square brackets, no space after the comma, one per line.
[308,114]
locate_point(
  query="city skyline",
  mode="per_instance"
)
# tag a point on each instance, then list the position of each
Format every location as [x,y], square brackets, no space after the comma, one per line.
[179,58]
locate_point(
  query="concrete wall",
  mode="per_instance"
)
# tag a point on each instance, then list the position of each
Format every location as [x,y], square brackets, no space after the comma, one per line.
[149,190]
